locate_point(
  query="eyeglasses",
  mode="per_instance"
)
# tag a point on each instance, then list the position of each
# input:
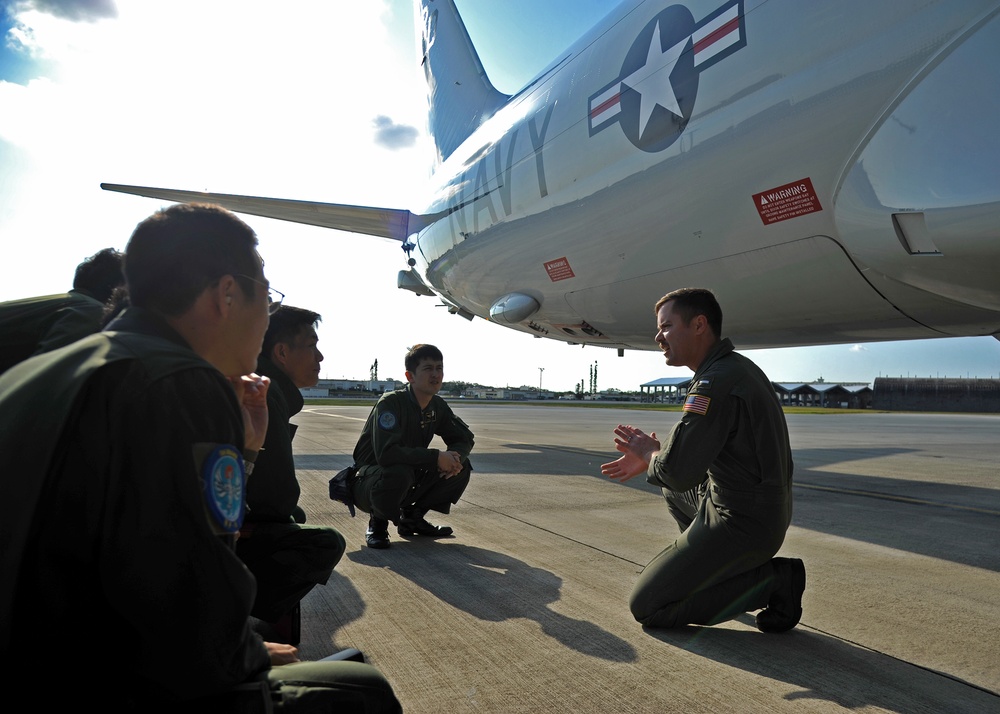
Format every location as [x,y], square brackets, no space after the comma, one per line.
[274,297]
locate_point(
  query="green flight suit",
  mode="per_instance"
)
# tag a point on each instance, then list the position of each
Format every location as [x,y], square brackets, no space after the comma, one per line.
[40,324]
[118,501]
[396,469]
[287,559]
[726,473]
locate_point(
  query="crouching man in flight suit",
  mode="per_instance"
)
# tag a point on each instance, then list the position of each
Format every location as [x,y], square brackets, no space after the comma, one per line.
[399,478]
[726,474]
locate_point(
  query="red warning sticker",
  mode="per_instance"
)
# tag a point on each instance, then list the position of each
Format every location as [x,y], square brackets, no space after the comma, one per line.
[789,201]
[559,269]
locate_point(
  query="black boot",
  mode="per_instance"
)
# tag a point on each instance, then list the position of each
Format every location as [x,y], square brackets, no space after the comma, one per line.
[288,628]
[378,533]
[784,606]
[412,523]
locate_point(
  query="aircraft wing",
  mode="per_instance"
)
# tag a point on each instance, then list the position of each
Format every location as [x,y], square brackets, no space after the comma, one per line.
[390,223]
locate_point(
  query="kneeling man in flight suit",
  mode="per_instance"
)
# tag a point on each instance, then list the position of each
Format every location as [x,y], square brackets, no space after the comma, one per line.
[726,474]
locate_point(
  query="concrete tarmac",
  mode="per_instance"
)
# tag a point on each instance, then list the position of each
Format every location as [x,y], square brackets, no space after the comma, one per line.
[525,610]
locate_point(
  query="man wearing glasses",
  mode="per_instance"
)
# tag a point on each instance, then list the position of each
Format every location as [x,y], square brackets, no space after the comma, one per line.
[287,559]
[126,489]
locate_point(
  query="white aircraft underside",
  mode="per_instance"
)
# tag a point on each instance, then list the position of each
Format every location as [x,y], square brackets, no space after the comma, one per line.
[830,170]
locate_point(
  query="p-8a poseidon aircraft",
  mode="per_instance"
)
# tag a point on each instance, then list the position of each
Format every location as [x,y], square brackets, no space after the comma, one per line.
[830,169]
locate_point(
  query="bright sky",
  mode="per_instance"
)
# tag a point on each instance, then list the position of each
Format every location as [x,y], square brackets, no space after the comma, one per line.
[305,100]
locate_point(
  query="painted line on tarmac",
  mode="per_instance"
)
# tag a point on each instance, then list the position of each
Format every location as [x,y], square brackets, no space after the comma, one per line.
[563,536]
[335,416]
[898,499]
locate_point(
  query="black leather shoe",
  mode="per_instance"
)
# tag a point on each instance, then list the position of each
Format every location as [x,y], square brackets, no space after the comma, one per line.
[288,627]
[377,535]
[784,607]
[419,526]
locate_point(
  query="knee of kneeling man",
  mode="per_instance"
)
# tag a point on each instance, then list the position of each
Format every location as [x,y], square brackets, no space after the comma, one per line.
[651,613]
[637,606]
[335,540]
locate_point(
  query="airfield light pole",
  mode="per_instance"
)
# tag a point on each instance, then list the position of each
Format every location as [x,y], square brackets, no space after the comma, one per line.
[540,370]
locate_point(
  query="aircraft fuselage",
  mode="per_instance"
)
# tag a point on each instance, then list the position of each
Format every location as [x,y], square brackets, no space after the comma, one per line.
[830,170]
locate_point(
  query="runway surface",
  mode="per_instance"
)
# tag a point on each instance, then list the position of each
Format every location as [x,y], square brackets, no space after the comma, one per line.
[525,610]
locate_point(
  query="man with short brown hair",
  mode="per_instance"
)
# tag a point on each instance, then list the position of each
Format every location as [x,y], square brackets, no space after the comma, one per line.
[726,474]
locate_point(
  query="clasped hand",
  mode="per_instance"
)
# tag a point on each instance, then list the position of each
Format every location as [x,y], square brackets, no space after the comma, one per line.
[251,393]
[449,463]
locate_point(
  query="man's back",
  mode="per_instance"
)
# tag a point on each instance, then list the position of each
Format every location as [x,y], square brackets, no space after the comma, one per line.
[40,324]
[123,549]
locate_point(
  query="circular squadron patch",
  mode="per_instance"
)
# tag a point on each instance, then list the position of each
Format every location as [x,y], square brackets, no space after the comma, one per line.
[387,421]
[225,482]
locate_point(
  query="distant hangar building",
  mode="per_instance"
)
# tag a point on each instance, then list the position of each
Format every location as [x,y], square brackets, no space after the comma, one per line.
[667,390]
[842,395]
[889,394]
[333,387]
[838,395]
[937,394]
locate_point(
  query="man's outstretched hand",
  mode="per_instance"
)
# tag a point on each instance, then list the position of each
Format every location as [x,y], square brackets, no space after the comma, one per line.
[638,449]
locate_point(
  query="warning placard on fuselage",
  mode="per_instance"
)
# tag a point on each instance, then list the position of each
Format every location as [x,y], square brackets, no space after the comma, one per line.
[789,201]
[559,269]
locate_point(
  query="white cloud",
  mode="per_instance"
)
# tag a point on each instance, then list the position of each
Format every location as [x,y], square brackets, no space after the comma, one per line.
[391,135]
[76,10]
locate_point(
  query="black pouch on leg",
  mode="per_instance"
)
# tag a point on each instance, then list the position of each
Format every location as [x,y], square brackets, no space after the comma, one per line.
[341,487]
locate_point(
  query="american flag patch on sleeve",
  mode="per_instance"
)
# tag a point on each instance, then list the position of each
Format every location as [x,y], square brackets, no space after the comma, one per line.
[697,403]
